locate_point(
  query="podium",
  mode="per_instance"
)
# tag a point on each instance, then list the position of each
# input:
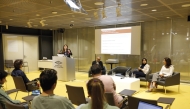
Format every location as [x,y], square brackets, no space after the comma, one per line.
[65,68]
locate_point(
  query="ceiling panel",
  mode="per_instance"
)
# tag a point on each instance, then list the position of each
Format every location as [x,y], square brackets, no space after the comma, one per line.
[13,10]
[159,9]
[173,1]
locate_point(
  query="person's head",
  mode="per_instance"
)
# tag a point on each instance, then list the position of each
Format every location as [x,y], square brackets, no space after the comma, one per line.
[3,76]
[144,61]
[65,47]
[48,79]
[98,59]
[96,69]
[18,64]
[95,89]
[167,62]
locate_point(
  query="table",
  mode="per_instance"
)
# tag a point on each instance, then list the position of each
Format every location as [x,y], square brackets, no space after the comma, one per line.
[166,100]
[112,61]
[126,83]
[45,64]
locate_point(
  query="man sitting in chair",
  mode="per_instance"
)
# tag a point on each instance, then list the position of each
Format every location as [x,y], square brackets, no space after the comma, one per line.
[99,62]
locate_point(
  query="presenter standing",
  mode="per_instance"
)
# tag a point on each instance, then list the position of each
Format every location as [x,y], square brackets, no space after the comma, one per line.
[67,52]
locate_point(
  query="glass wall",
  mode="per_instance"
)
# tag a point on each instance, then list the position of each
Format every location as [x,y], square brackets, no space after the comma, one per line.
[166,38]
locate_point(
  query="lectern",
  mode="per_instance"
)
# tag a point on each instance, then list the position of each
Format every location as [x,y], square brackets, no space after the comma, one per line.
[65,68]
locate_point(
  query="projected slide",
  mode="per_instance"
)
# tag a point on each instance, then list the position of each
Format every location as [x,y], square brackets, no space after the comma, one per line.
[116,40]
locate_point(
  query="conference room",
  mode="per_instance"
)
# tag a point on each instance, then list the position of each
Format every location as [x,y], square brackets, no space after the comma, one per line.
[120,32]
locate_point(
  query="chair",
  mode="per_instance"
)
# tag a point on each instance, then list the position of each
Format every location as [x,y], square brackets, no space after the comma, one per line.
[9,64]
[10,105]
[146,78]
[134,101]
[12,91]
[19,84]
[169,81]
[76,95]
[110,99]
[120,70]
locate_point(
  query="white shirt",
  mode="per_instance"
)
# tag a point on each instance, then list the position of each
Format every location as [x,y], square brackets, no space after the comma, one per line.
[146,68]
[167,71]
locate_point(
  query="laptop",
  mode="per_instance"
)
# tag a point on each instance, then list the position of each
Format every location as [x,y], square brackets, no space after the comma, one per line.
[36,92]
[144,105]
[44,58]
[61,55]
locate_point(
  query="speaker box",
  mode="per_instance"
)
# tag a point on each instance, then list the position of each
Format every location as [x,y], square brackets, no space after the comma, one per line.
[188,18]
[62,30]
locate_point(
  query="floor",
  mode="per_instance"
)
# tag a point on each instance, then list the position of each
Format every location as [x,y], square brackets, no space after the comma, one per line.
[182,99]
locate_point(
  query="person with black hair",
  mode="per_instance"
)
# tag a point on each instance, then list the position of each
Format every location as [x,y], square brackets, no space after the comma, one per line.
[3,95]
[142,70]
[66,51]
[109,85]
[166,71]
[48,100]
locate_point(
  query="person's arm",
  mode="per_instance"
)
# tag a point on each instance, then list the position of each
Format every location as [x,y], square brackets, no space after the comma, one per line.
[5,96]
[171,70]
[101,64]
[146,68]
[26,80]
[69,51]
[161,73]
[66,104]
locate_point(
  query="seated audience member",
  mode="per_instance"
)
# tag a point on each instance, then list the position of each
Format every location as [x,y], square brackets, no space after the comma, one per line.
[109,84]
[48,100]
[166,71]
[3,95]
[99,62]
[96,91]
[142,70]
[18,72]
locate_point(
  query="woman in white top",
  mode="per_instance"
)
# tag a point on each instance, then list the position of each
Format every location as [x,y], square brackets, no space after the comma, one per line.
[143,69]
[166,71]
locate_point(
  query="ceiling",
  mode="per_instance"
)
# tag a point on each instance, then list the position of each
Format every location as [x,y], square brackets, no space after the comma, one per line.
[19,12]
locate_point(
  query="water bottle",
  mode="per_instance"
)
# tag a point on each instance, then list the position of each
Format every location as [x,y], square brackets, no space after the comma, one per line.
[131,75]
[134,76]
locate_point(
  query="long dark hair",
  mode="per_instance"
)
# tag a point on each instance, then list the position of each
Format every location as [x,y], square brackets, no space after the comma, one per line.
[168,62]
[64,49]
[142,65]
[95,89]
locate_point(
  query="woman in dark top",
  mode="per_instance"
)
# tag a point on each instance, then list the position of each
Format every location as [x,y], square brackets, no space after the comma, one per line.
[67,52]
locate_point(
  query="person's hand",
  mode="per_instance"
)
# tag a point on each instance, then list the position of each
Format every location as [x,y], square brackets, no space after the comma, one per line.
[69,50]
[161,75]
[59,51]
[139,68]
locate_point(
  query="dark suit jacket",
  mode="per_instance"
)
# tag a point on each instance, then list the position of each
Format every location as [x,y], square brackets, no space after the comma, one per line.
[66,53]
[100,63]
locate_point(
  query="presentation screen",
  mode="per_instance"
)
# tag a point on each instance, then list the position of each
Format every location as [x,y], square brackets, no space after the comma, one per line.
[124,40]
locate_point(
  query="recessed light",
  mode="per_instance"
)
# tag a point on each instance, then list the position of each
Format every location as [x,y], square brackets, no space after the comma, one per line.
[154,10]
[26,26]
[143,4]
[87,18]
[185,5]
[46,24]
[35,25]
[37,14]
[140,21]
[168,17]
[73,15]
[10,19]
[98,3]
[72,21]
[0,21]
[54,12]
[50,29]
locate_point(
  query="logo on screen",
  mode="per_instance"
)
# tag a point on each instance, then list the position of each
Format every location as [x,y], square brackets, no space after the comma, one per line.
[58,64]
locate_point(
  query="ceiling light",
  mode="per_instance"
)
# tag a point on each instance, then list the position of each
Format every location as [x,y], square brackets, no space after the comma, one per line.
[37,14]
[72,21]
[187,38]
[154,10]
[99,3]
[96,15]
[7,26]
[140,21]
[0,21]
[46,24]
[185,5]
[73,15]
[10,19]
[143,4]
[54,12]
[42,23]
[26,26]
[35,25]
[29,24]
[87,18]
[72,4]
[168,17]
[118,11]
[103,14]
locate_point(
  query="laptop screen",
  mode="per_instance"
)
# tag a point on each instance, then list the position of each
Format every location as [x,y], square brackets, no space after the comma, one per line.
[143,105]
[35,92]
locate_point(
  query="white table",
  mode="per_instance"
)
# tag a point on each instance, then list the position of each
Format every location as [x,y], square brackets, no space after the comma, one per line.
[45,64]
[126,83]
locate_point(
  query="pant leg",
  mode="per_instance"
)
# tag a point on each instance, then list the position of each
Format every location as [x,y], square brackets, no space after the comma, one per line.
[139,74]
[155,77]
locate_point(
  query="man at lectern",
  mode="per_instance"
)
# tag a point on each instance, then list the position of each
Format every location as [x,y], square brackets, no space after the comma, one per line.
[99,62]
[67,52]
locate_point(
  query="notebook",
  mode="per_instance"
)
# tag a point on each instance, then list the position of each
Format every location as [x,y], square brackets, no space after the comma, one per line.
[144,105]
